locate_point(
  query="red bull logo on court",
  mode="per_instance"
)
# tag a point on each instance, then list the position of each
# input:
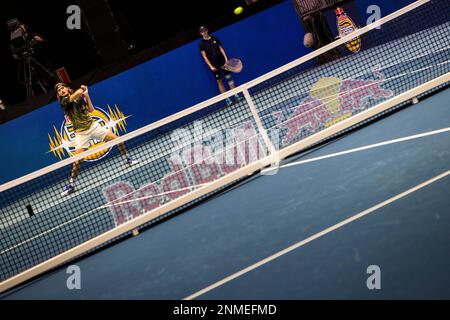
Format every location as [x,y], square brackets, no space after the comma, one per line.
[200,161]
[191,167]
[330,101]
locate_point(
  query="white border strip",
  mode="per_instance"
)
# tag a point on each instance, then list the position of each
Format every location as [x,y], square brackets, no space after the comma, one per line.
[202,105]
[133,224]
[258,122]
[316,236]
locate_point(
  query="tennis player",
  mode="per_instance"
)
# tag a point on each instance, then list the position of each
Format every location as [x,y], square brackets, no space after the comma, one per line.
[215,57]
[77,106]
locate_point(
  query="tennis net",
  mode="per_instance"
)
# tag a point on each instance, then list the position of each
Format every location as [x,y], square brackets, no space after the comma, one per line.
[200,151]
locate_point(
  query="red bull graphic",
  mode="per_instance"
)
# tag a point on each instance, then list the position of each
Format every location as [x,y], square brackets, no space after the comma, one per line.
[330,100]
[64,139]
[355,94]
[190,168]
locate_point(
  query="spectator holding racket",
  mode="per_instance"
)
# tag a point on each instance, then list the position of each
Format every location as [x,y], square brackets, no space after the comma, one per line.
[215,57]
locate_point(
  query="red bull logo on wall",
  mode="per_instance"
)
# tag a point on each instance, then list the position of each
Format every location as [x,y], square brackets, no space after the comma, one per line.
[63,142]
[330,101]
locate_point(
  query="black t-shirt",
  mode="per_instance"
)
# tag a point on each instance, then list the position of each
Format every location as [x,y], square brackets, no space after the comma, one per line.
[212,50]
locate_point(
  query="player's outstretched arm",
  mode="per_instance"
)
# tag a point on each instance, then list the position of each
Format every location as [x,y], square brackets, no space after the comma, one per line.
[74,96]
[88,98]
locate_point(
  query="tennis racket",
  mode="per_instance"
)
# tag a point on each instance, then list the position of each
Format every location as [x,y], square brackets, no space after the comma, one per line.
[233,65]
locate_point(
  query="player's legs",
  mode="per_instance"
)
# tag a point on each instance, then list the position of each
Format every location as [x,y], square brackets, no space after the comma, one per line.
[69,188]
[102,134]
[231,84]
[122,149]
[229,79]
[221,86]
[111,136]
[81,145]
[218,76]
[76,165]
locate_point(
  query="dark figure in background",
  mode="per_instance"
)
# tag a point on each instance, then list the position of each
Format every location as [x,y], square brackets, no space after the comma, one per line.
[27,39]
[215,57]
[30,50]
[34,41]
[315,24]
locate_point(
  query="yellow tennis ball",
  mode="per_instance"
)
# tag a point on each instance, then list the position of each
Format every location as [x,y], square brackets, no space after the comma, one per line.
[238,10]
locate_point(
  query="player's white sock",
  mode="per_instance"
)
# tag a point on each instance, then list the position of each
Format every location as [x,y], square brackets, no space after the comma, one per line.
[72,181]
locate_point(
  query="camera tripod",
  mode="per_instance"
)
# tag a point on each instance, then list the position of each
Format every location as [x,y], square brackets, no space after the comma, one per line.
[33,73]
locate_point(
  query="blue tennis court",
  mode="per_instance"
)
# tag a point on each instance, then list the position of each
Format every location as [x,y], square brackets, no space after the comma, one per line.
[211,245]
[364,143]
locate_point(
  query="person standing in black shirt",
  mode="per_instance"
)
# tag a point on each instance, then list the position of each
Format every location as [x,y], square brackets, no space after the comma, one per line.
[215,57]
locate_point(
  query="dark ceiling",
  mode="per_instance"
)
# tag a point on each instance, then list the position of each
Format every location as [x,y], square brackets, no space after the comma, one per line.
[144,24]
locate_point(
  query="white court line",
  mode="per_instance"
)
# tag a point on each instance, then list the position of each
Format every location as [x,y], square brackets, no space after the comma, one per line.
[370,146]
[59,226]
[316,236]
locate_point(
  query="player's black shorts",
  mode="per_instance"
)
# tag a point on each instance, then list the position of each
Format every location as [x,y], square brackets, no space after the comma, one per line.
[220,73]
[218,63]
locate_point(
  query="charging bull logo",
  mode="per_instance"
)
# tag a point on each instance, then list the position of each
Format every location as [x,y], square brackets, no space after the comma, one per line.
[330,101]
[64,139]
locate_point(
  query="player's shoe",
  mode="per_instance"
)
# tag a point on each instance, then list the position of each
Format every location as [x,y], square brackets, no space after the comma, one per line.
[68,189]
[229,102]
[131,162]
